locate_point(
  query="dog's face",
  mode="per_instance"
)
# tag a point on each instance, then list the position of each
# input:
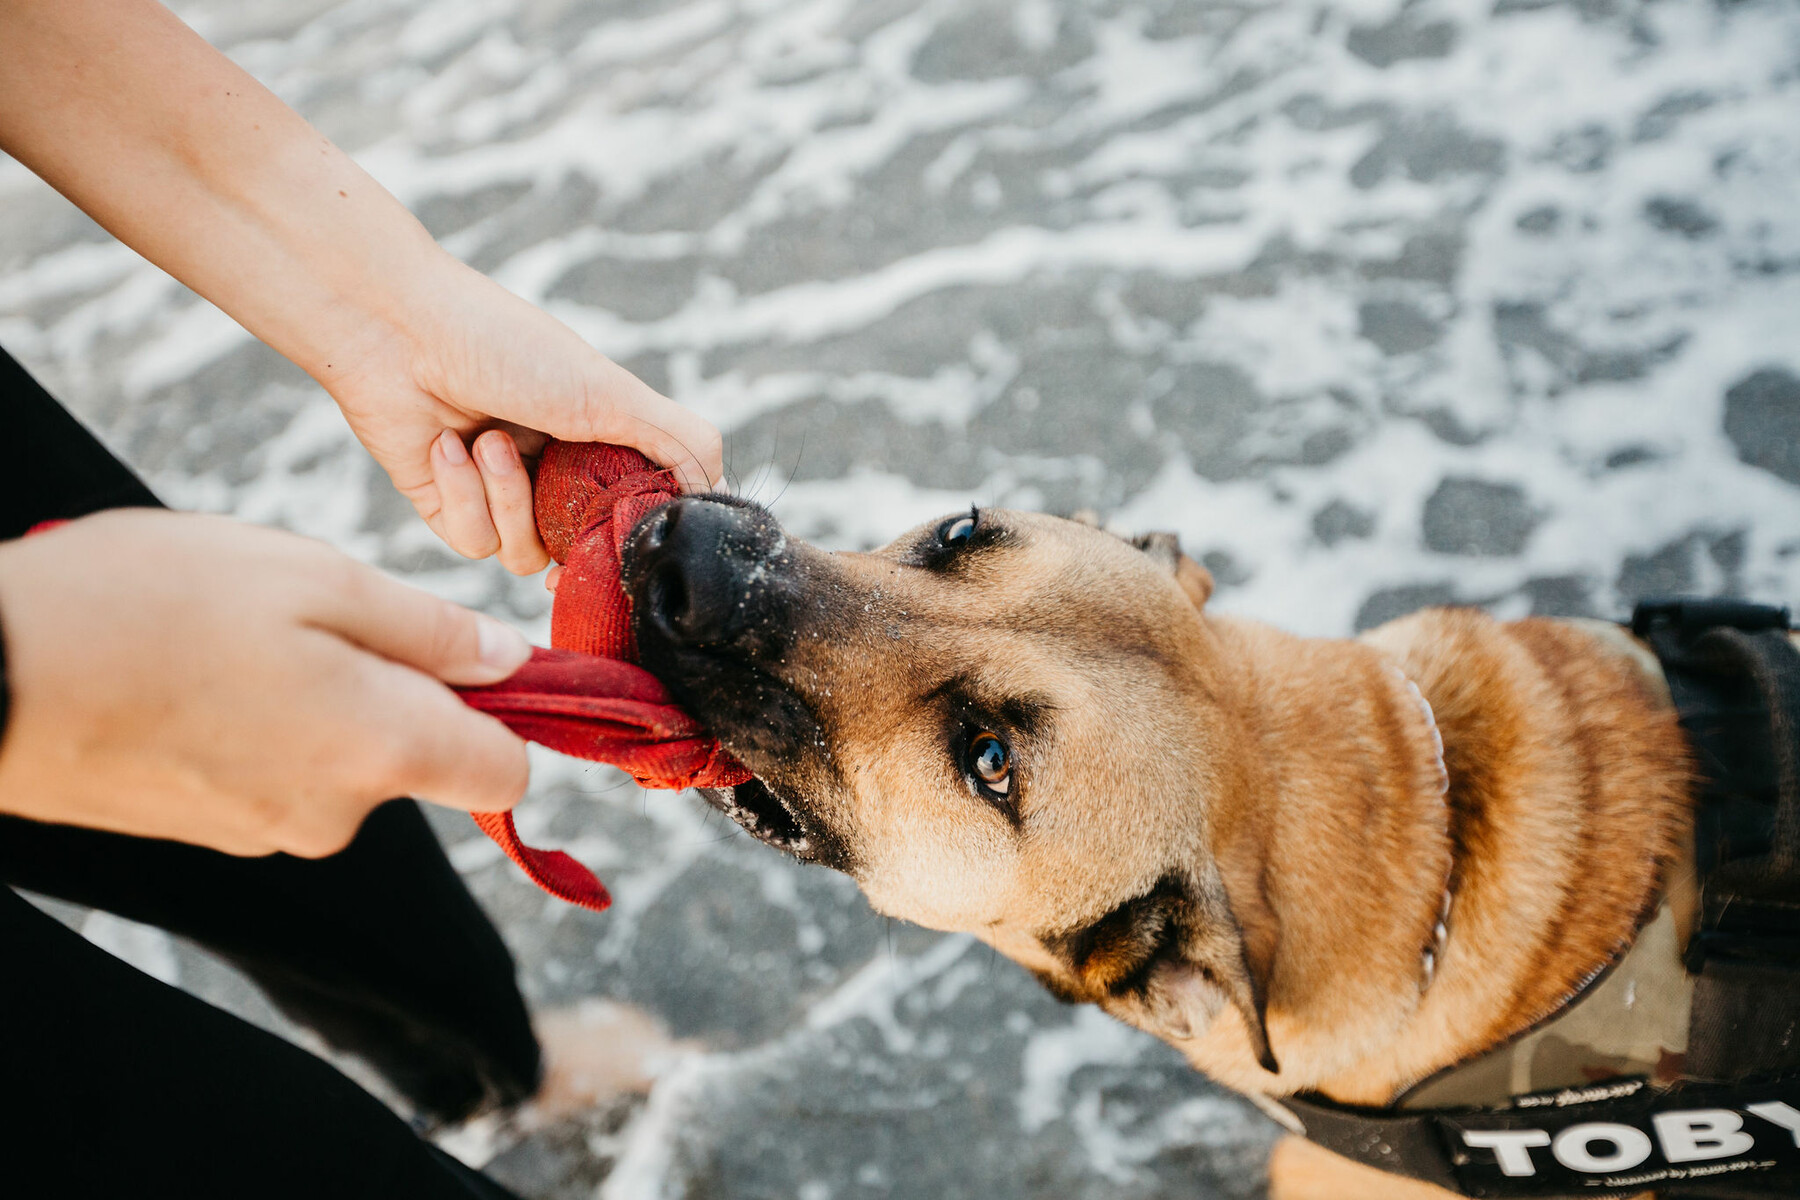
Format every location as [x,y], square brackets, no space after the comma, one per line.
[1002,723]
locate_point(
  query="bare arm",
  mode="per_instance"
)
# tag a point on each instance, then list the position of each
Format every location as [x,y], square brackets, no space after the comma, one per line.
[187,159]
[191,162]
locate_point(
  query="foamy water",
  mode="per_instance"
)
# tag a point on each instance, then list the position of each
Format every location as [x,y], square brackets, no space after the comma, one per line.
[1374,305]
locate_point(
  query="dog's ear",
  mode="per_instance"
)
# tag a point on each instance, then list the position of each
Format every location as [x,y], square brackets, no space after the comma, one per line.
[1170,960]
[1222,962]
[1165,548]
[1195,580]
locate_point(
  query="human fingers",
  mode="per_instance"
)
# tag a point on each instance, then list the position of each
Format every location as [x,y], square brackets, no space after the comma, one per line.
[433,746]
[509,503]
[414,627]
[378,672]
[463,513]
[426,741]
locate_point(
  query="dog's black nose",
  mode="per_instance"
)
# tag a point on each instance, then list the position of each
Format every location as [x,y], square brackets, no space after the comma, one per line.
[694,568]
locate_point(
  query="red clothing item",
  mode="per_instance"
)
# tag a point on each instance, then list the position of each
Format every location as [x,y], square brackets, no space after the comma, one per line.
[586,697]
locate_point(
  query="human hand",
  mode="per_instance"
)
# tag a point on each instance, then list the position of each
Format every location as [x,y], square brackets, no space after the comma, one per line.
[194,678]
[476,361]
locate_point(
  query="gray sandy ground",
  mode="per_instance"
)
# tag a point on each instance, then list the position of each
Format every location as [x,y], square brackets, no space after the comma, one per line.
[1377,304]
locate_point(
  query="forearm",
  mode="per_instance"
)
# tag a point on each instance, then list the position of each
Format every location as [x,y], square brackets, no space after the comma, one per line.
[187,159]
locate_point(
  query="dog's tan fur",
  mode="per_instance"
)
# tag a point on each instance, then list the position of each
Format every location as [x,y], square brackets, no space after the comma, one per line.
[1274,801]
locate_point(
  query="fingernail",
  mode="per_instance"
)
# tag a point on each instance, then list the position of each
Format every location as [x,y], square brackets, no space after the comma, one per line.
[451,447]
[496,454]
[502,647]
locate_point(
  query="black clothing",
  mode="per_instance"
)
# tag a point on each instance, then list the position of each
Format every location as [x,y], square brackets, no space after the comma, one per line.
[117,1084]
[379,948]
[51,467]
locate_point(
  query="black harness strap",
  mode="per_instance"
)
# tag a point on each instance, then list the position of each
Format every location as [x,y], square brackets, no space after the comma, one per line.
[1735,679]
[1618,1138]
[1731,1128]
[1400,1143]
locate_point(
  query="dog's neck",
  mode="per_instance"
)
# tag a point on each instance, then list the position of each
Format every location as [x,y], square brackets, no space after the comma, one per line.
[1338,840]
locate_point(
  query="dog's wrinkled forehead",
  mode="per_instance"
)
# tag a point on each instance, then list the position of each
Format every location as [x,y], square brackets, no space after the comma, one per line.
[1031,573]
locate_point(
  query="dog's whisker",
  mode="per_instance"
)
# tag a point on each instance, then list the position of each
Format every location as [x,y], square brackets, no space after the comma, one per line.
[763,471]
[792,474]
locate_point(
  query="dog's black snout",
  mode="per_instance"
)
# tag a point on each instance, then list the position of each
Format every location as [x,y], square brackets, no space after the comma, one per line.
[695,568]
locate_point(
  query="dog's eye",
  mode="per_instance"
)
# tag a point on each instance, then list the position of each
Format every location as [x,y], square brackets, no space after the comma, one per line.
[991,764]
[960,529]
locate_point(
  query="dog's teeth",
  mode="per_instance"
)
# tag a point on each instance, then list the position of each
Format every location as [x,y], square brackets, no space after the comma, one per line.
[1428,967]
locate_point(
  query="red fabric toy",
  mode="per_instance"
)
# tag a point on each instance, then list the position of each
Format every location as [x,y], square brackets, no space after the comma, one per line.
[586,697]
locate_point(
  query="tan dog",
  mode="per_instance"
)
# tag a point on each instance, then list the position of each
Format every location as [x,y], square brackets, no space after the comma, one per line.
[1240,841]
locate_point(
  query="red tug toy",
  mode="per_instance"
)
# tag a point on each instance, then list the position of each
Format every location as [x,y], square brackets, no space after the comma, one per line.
[586,697]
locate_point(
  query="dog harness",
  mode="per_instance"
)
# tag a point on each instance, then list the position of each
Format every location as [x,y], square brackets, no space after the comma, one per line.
[1677,1068]
[586,697]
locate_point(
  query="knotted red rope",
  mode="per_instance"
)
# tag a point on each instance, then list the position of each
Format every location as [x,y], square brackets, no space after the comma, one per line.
[586,697]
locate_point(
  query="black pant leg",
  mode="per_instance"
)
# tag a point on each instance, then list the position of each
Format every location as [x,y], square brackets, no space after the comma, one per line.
[380,948]
[118,1085]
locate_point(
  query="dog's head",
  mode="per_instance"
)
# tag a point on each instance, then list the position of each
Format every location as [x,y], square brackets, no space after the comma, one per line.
[1001,723]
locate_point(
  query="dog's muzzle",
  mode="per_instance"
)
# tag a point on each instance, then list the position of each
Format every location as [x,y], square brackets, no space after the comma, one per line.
[713,584]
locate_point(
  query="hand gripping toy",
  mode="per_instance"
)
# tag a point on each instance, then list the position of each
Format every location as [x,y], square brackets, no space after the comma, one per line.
[586,697]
